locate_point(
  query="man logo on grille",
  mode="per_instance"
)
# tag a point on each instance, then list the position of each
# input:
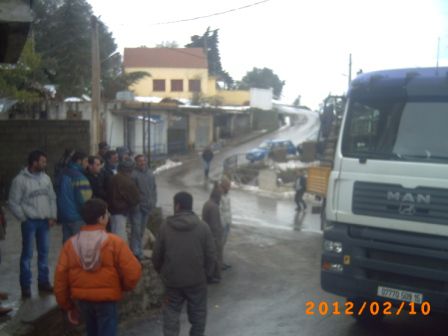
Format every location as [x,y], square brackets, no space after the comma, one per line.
[407,209]
[408,201]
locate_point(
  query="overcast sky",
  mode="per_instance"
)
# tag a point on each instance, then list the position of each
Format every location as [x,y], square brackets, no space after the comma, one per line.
[305,42]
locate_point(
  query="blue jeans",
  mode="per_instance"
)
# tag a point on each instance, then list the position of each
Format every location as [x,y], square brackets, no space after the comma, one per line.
[139,219]
[34,229]
[100,317]
[70,229]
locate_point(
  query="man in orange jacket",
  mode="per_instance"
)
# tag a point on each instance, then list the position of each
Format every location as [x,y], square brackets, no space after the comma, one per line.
[94,268]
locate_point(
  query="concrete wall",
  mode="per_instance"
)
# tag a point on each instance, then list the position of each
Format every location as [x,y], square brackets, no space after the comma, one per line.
[19,137]
[196,121]
[70,110]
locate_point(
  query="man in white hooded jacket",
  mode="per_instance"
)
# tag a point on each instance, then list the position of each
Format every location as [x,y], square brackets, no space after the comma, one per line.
[33,201]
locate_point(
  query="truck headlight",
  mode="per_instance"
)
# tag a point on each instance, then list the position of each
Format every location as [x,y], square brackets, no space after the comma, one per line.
[332,246]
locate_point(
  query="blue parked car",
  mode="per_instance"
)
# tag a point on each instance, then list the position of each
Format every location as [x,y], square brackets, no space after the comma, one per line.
[262,152]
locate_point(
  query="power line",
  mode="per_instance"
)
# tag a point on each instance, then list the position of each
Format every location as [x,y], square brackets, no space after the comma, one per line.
[210,15]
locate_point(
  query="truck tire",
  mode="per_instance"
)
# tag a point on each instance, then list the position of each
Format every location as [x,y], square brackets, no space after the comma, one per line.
[366,317]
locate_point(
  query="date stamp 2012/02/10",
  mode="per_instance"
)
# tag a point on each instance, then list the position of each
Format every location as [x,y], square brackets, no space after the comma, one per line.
[367,307]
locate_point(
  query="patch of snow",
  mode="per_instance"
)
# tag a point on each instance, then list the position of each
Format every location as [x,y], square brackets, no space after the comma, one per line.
[142,99]
[292,165]
[72,100]
[168,165]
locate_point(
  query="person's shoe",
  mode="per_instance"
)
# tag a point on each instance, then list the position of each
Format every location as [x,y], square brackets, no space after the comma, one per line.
[26,293]
[4,311]
[3,296]
[45,288]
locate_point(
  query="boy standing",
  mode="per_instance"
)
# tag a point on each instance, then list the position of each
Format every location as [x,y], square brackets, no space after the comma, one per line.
[94,268]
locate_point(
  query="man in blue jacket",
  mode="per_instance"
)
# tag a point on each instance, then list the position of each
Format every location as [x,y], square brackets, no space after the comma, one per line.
[33,201]
[73,191]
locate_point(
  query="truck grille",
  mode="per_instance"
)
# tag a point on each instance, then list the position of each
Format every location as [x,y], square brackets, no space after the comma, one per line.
[401,258]
[421,204]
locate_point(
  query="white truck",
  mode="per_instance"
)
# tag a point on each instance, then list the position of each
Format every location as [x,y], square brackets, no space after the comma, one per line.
[386,236]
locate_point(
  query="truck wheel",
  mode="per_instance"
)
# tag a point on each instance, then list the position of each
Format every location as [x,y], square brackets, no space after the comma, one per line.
[370,315]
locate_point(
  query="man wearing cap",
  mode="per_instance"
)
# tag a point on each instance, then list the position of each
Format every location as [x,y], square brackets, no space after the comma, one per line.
[123,197]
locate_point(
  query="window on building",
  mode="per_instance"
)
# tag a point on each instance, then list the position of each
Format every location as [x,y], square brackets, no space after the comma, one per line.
[177,85]
[194,85]
[158,84]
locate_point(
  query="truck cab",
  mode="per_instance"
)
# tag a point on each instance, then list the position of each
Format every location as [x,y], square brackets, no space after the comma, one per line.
[386,236]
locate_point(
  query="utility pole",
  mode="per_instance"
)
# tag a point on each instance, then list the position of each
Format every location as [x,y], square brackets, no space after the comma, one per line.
[96,88]
[349,70]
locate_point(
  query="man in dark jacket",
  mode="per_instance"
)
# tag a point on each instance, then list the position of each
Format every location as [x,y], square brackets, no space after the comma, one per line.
[146,184]
[123,197]
[212,216]
[110,166]
[96,177]
[207,157]
[184,254]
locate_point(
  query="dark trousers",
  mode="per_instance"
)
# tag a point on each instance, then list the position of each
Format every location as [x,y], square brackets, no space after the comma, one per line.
[100,317]
[219,259]
[196,298]
[299,201]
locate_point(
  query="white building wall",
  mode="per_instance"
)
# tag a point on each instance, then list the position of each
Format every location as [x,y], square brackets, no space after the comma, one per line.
[114,130]
[261,98]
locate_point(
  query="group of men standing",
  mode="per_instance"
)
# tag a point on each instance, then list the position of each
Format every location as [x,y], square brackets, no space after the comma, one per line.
[188,252]
[128,188]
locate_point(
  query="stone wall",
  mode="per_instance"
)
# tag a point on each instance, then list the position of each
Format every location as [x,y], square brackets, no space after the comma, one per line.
[19,137]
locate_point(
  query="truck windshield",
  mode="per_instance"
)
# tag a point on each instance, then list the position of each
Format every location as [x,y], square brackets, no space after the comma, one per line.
[397,128]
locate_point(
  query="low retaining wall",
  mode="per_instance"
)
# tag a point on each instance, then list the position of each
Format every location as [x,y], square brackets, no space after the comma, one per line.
[42,316]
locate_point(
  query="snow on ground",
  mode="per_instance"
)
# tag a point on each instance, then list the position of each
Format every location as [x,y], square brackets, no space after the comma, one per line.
[168,165]
[294,164]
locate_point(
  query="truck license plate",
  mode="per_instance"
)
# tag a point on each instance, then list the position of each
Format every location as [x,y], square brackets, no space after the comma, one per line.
[399,294]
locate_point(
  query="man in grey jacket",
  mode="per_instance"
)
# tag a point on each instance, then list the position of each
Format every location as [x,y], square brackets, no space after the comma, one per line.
[33,201]
[184,254]
[146,183]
